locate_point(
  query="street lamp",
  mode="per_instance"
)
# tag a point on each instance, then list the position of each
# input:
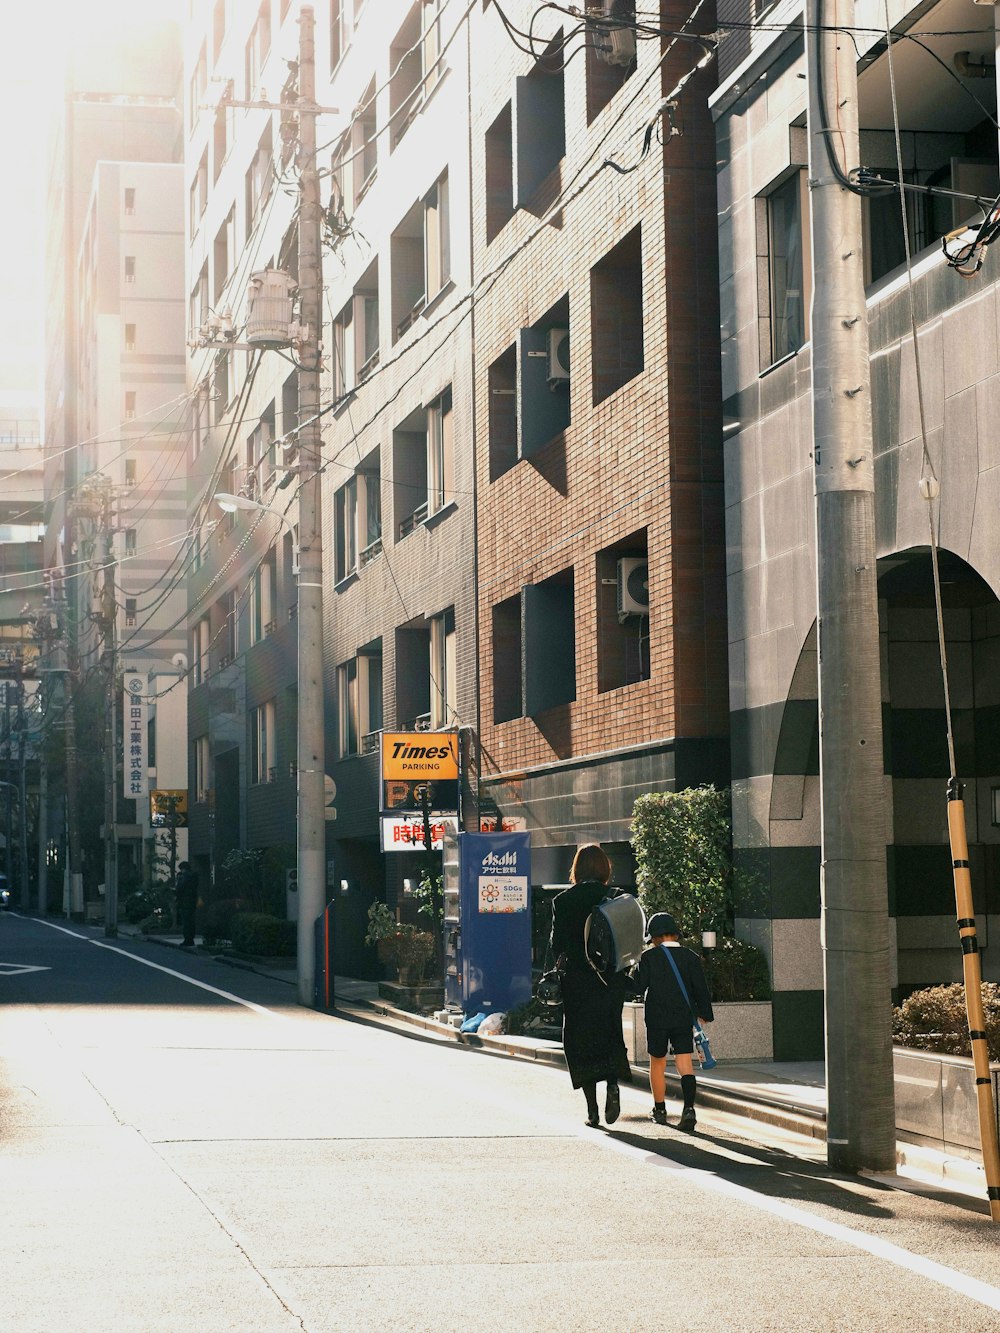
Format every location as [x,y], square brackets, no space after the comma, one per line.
[310,767]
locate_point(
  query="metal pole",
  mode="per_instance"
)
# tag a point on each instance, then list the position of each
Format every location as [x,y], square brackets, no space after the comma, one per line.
[855,919]
[8,787]
[42,825]
[311,756]
[973,977]
[22,765]
[110,767]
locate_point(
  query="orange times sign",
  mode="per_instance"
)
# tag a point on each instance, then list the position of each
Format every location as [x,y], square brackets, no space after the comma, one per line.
[421,756]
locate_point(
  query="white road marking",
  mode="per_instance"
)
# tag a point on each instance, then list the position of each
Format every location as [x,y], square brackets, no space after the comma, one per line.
[919,1264]
[146,962]
[15,969]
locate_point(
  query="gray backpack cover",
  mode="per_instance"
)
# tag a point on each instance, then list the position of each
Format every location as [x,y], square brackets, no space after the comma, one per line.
[614,934]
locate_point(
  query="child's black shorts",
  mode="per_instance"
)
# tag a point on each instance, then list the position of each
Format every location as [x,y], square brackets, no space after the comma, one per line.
[660,1039]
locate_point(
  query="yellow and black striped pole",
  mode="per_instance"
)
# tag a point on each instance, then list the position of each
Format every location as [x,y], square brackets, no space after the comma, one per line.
[972,974]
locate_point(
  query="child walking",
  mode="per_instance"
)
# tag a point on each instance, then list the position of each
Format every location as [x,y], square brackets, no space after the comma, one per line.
[670,1014]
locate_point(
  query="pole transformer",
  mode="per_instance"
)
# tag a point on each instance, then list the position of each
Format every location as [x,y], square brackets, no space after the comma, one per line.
[855,918]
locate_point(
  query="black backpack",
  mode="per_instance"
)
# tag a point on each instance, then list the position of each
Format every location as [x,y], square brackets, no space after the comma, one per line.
[614,934]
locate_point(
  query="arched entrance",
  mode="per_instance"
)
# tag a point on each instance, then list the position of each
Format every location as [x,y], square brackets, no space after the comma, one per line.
[780,896]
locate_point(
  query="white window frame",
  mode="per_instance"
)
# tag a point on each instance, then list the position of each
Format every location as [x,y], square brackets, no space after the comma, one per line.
[263,757]
[443,665]
[440,453]
[437,239]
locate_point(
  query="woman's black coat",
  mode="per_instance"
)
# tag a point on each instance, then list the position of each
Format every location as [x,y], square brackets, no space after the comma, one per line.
[592,1011]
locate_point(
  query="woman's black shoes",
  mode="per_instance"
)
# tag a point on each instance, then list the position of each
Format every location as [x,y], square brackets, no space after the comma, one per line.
[594,1121]
[612,1104]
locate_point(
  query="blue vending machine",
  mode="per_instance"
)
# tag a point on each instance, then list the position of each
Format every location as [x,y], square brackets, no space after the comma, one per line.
[493,955]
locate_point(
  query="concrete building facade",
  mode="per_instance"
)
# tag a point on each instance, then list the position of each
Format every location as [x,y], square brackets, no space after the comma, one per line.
[948,139]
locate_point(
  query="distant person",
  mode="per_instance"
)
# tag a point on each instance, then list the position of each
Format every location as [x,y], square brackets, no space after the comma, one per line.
[187,900]
[592,1008]
[670,1016]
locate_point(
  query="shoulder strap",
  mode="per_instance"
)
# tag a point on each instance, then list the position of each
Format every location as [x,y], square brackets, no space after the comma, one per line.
[687,999]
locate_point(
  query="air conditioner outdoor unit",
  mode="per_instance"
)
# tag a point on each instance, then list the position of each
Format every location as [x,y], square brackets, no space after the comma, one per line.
[557,353]
[633,586]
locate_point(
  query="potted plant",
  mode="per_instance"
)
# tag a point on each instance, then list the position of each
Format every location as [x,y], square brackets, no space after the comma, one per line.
[407,948]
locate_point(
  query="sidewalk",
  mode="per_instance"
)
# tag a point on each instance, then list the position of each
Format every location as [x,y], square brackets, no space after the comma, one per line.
[788,1097]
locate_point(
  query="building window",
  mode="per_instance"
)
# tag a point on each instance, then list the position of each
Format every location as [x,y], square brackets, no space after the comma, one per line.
[357,519]
[437,238]
[130,546]
[423,464]
[131,472]
[444,701]
[338,31]
[199,192]
[503,413]
[218,28]
[499,154]
[544,379]
[200,649]
[611,51]
[257,48]
[623,613]
[263,759]
[549,643]
[364,145]
[540,118]
[130,268]
[406,63]
[356,336]
[223,253]
[130,404]
[419,255]
[345,522]
[359,701]
[413,675]
[616,317]
[259,180]
[262,604]
[201,769]
[198,85]
[129,205]
[131,613]
[198,313]
[225,636]
[260,455]
[220,140]
[440,453]
[221,386]
[508,698]
[130,337]
[290,408]
[787,315]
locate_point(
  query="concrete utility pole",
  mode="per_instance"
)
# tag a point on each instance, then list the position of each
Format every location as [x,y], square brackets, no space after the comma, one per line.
[311,763]
[855,919]
[108,625]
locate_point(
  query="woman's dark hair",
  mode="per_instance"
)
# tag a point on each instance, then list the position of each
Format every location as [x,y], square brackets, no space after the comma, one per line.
[590,862]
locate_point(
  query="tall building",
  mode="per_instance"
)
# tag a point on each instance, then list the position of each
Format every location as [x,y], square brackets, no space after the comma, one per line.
[944,147]
[521,450]
[114,395]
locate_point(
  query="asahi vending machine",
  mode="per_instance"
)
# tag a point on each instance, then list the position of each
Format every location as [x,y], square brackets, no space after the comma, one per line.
[487,901]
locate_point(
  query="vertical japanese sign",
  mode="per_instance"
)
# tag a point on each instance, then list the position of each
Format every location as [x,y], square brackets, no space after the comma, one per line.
[134,732]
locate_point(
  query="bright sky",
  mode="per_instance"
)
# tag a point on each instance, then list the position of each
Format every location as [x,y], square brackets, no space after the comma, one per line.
[32,46]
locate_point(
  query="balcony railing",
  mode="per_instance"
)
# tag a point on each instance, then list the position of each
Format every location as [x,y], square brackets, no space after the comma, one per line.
[414,520]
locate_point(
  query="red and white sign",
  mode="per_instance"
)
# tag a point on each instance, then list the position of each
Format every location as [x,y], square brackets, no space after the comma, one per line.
[405,833]
[503,824]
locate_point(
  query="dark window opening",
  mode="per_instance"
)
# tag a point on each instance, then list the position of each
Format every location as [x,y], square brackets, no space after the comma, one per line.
[405,90]
[549,640]
[406,256]
[623,613]
[503,413]
[540,102]
[413,675]
[499,174]
[616,316]
[544,375]
[409,473]
[508,700]
[786,270]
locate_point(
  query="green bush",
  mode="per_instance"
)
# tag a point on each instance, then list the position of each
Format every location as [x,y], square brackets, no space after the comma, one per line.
[738,971]
[935,1020]
[217,919]
[682,843]
[263,935]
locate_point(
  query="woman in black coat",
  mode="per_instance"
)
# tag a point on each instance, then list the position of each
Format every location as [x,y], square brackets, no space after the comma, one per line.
[592,1009]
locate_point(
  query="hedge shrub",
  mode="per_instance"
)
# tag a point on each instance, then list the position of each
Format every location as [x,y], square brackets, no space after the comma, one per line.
[217,919]
[935,1020]
[738,971]
[682,843]
[263,935]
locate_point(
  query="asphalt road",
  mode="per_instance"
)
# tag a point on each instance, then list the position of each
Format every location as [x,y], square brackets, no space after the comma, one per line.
[183,1148]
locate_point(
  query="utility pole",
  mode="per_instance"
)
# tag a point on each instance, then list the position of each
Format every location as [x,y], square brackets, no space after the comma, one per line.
[108,623]
[22,782]
[855,919]
[311,764]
